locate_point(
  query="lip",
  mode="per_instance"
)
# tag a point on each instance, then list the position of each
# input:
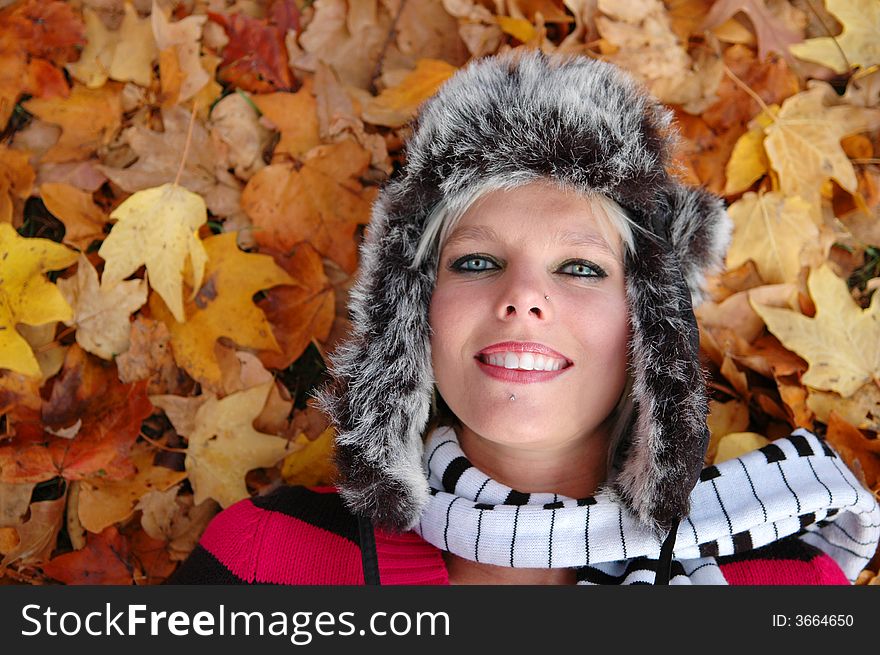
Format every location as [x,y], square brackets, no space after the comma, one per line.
[517,376]
[524,347]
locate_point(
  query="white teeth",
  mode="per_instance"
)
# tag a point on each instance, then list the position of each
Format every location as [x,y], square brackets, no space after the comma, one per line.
[524,361]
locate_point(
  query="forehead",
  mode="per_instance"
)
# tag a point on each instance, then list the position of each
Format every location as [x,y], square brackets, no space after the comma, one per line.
[538,210]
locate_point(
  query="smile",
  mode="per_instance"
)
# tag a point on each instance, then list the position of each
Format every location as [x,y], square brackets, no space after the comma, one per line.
[518,375]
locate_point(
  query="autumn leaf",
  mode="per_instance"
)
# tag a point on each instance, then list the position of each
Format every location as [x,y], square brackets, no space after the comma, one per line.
[37,535]
[294,115]
[239,136]
[125,54]
[101,312]
[857,45]
[224,446]
[772,231]
[223,307]
[861,454]
[103,502]
[772,35]
[322,203]
[311,463]
[83,219]
[803,143]
[149,357]
[255,59]
[841,343]
[89,119]
[737,444]
[26,296]
[16,180]
[398,104]
[298,314]
[157,228]
[184,37]
[104,560]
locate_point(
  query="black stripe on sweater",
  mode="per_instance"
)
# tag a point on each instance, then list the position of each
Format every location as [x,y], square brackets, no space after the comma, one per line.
[325,511]
[202,568]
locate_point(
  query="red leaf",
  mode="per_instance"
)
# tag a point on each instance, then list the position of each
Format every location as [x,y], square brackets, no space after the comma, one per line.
[255,59]
[105,559]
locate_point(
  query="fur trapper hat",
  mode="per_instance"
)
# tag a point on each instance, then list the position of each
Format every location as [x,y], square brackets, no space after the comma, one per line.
[529,116]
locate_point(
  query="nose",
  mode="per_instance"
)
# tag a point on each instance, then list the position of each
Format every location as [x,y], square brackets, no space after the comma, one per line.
[524,298]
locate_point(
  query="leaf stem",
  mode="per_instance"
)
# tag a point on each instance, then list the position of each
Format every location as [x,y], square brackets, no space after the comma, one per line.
[189,131]
[162,446]
[745,87]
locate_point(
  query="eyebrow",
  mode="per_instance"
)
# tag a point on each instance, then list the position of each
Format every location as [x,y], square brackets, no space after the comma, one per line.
[563,237]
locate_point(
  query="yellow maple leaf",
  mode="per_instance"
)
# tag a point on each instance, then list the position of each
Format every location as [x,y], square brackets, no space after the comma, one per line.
[310,464]
[223,307]
[773,231]
[26,296]
[101,314]
[859,41]
[737,444]
[157,227]
[396,105]
[841,343]
[224,446]
[803,142]
[125,54]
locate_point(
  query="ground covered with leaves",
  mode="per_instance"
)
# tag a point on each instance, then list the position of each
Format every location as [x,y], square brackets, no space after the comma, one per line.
[184,184]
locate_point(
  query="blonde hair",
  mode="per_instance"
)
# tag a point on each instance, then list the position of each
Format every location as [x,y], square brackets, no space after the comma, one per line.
[442,221]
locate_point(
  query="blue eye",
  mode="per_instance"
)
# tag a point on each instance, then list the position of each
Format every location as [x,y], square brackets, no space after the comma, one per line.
[591,270]
[459,264]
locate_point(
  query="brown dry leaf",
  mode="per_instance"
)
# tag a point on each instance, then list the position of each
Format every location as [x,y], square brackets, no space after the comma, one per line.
[772,34]
[83,220]
[396,105]
[184,37]
[803,142]
[477,26]
[769,358]
[105,502]
[736,313]
[862,409]
[861,454]
[16,180]
[322,202]
[238,137]
[181,411]
[149,357]
[101,314]
[294,115]
[37,535]
[736,377]
[159,156]
[298,314]
[842,341]
[425,29]
[89,119]
[794,396]
[647,47]
[14,502]
[176,520]
[348,37]
[338,119]
[775,232]
[19,392]
[311,463]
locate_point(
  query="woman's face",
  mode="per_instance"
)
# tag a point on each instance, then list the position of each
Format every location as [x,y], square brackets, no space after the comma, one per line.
[507,253]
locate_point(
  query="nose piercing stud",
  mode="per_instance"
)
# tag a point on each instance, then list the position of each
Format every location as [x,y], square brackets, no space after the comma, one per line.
[546,297]
[512,397]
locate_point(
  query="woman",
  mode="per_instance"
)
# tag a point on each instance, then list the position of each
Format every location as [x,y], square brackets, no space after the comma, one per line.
[535,226]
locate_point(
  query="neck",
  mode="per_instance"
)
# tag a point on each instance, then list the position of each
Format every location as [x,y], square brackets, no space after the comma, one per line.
[574,468]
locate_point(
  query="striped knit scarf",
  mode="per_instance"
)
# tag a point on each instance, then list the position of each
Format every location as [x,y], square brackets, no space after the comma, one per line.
[796,485]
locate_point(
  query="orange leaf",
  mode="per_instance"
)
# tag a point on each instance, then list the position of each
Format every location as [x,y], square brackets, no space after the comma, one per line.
[861,454]
[295,115]
[105,559]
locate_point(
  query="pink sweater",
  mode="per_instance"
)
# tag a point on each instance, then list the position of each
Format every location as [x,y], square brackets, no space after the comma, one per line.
[306,536]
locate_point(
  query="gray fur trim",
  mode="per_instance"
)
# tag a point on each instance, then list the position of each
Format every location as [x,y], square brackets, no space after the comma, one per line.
[519,117]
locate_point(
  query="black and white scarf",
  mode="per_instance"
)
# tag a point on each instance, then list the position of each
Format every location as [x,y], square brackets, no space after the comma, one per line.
[796,485]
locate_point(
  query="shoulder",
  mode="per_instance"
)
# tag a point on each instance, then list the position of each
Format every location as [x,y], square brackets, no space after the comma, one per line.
[789,561]
[294,535]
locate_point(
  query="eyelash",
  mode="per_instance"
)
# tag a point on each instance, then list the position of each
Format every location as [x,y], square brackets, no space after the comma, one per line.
[456,266]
